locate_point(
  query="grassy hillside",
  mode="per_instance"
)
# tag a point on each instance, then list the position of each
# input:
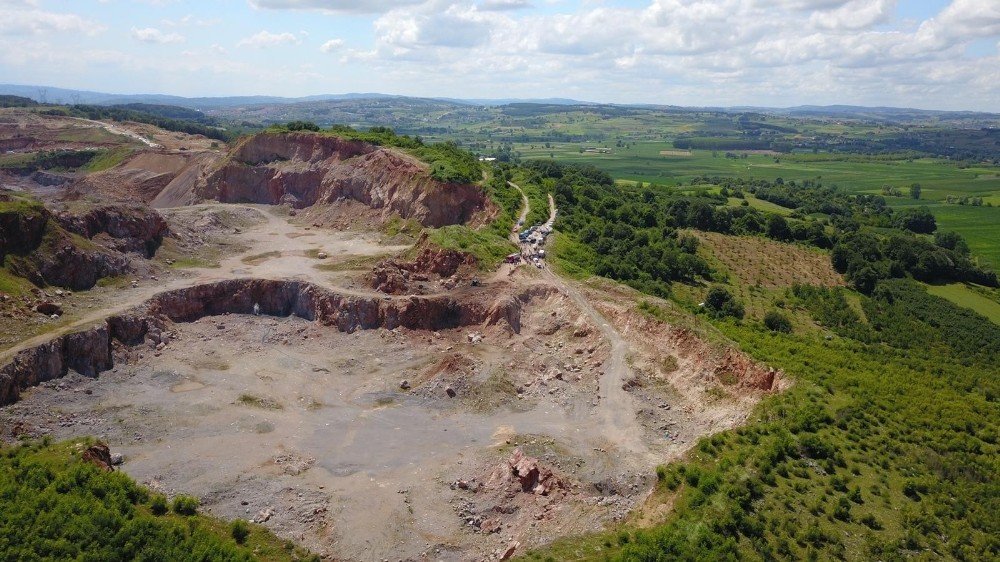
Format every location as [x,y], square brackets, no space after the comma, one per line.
[57,506]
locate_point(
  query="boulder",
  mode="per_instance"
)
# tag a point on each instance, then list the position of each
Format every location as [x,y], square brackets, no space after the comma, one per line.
[100,456]
[49,308]
[525,468]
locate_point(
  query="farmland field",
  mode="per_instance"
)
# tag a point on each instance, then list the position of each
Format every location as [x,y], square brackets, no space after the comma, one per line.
[643,162]
[979,225]
[962,295]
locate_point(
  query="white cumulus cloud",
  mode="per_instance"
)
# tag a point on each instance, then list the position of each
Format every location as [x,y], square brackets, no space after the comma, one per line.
[332,45]
[153,35]
[335,6]
[22,18]
[265,38]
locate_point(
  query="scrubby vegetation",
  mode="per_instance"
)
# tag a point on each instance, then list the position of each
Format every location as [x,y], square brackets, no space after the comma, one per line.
[57,507]
[777,322]
[488,247]
[885,447]
[56,160]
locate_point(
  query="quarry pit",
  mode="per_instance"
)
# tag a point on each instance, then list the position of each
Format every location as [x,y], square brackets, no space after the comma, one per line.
[360,395]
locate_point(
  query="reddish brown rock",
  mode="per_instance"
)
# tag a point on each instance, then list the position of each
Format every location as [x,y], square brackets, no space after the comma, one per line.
[396,276]
[304,169]
[100,456]
[748,373]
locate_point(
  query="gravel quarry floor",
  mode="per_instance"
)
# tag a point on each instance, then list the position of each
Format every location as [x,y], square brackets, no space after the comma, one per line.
[305,427]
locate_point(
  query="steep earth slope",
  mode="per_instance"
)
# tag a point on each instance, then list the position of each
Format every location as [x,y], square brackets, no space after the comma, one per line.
[305,169]
[155,177]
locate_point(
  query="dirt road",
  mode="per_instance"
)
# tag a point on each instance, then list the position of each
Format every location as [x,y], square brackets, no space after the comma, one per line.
[615,407]
[120,131]
[525,208]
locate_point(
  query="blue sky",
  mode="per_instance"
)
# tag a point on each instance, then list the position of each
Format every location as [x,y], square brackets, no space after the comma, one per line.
[918,53]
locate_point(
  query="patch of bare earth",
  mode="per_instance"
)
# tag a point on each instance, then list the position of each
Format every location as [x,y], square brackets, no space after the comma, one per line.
[688,383]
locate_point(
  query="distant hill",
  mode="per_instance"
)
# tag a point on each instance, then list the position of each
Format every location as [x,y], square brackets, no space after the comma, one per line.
[896,114]
[168,111]
[509,101]
[45,94]
[16,101]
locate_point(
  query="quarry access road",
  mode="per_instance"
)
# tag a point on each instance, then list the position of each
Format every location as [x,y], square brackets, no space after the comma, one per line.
[119,131]
[615,406]
[525,208]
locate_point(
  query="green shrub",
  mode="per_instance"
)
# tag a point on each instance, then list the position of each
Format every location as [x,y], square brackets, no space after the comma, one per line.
[55,506]
[870,522]
[721,303]
[185,505]
[158,505]
[239,530]
[777,322]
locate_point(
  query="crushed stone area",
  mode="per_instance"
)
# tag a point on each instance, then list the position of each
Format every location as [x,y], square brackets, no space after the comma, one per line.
[358,445]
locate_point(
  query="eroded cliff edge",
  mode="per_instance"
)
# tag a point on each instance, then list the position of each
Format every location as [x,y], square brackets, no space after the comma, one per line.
[305,169]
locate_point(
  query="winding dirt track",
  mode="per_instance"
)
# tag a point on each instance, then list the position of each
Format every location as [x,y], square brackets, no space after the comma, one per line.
[120,131]
[615,406]
[525,208]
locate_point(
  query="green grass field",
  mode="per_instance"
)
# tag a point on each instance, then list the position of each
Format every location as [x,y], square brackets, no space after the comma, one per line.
[760,204]
[979,225]
[962,295]
[643,162]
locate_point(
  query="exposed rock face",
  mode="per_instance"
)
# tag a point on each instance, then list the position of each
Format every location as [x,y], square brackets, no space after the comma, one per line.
[42,177]
[21,228]
[62,260]
[125,228]
[303,169]
[749,374]
[76,249]
[89,352]
[395,277]
[283,298]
